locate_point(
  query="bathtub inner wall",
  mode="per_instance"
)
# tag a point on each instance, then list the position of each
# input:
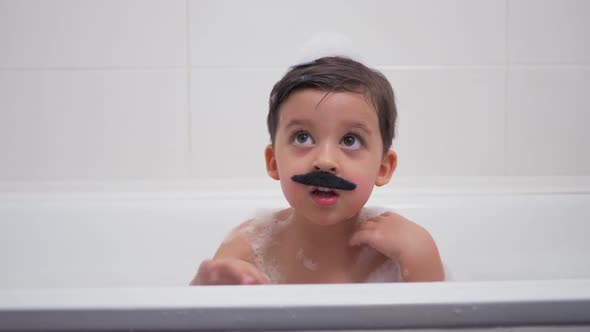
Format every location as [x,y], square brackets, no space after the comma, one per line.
[159,239]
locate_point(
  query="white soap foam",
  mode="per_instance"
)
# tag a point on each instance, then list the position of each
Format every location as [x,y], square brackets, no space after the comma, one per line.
[307,262]
[250,228]
[448,275]
[328,43]
[366,255]
[371,212]
[264,228]
[387,272]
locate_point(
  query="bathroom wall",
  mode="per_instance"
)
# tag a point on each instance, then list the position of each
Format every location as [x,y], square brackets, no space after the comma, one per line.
[154,90]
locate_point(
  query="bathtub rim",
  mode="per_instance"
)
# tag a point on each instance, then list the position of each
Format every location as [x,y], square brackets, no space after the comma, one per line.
[404,305]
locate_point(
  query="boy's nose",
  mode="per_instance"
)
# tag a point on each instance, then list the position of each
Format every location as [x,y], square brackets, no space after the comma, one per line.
[324,168]
[326,161]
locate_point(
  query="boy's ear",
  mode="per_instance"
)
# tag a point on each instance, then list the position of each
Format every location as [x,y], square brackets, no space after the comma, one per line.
[386,169]
[271,162]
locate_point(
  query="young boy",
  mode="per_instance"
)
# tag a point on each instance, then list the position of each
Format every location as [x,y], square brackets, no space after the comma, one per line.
[331,124]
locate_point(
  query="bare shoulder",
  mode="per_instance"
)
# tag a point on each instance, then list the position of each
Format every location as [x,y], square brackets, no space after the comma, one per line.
[421,260]
[409,227]
[243,239]
[237,243]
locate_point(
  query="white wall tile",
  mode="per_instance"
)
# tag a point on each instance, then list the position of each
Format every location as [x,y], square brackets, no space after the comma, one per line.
[549,31]
[271,33]
[548,121]
[69,33]
[120,124]
[68,125]
[451,121]
[229,133]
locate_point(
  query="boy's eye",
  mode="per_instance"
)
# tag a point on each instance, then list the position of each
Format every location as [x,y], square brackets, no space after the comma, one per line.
[351,141]
[302,138]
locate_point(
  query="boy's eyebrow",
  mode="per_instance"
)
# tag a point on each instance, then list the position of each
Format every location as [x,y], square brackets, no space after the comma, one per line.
[297,122]
[305,123]
[361,126]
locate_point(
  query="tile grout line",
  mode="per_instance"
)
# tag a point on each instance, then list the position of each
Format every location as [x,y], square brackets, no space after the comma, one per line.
[188,90]
[250,68]
[93,68]
[411,66]
[506,74]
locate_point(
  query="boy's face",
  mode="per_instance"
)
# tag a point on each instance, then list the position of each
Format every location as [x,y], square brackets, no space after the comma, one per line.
[340,135]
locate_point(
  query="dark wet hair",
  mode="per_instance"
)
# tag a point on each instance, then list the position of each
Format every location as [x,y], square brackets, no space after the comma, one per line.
[337,74]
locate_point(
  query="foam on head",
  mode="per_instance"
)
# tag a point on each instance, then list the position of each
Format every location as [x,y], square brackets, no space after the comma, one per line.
[327,43]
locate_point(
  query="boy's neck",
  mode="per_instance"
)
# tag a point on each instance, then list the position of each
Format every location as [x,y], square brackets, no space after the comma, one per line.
[321,236]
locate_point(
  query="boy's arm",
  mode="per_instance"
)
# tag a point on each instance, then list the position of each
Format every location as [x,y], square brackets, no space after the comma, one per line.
[421,261]
[404,241]
[233,263]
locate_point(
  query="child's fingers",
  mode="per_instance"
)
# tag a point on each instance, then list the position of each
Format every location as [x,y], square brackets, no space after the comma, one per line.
[368,224]
[380,217]
[366,227]
[256,277]
[236,272]
[213,272]
[377,219]
[367,236]
[226,273]
[386,214]
[251,279]
[250,275]
[203,274]
[374,238]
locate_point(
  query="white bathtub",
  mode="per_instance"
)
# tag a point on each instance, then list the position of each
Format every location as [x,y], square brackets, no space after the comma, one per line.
[516,251]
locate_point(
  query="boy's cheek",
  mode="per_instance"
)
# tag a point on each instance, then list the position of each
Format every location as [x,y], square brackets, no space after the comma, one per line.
[291,192]
[364,182]
[364,188]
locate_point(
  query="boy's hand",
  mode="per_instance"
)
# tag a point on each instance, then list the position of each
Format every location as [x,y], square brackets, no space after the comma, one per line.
[404,241]
[230,271]
[388,233]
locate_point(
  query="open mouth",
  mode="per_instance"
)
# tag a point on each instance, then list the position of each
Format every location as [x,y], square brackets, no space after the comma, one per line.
[324,192]
[324,196]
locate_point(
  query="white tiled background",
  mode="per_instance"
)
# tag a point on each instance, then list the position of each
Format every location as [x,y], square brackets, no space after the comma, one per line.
[177,90]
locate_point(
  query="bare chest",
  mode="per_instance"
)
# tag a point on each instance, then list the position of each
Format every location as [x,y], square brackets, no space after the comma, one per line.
[291,265]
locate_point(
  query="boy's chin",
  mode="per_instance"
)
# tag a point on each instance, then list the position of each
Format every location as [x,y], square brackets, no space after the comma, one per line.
[329,217]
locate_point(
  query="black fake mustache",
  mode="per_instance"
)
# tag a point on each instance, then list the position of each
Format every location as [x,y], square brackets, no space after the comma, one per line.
[323,179]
